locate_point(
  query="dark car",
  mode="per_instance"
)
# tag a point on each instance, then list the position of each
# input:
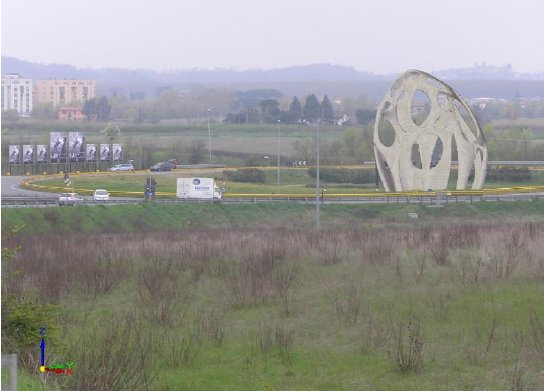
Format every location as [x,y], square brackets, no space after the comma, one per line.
[163,166]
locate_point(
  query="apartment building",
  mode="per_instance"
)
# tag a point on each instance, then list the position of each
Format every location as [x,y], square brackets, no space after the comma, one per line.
[17,94]
[62,92]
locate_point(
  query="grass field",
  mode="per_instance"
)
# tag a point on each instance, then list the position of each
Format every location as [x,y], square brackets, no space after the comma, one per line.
[250,297]
[292,181]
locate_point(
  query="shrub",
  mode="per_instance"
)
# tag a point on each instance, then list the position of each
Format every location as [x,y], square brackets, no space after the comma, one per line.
[339,175]
[21,322]
[509,174]
[246,175]
[114,356]
[407,356]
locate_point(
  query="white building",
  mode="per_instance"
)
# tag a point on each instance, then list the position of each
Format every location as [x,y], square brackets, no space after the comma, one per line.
[17,94]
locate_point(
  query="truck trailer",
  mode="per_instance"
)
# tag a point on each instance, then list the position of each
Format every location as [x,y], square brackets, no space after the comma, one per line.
[197,189]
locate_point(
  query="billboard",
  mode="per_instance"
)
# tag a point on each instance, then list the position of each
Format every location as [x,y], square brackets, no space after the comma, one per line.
[91,152]
[58,147]
[105,153]
[41,153]
[14,154]
[118,152]
[28,154]
[76,146]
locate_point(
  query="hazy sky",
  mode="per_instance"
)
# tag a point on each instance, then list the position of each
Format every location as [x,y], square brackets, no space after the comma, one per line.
[380,36]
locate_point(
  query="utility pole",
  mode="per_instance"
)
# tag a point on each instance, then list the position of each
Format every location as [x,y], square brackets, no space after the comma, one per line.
[209,145]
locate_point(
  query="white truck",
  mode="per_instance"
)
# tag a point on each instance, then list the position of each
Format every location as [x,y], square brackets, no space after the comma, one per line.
[197,189]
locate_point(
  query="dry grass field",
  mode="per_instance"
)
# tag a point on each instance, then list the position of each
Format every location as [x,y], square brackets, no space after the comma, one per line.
[444,303]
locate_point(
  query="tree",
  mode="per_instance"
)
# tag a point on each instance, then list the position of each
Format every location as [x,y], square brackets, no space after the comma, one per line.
[295,112]
[311,109]
[103,108]
[270,112]
[10,115]
[365,116]
[44,111]
[97,109]
[111,132]
[327,113]
[196,151]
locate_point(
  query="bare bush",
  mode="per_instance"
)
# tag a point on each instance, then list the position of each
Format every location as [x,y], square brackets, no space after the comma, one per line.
[211,324]
[478,349]
[283,279]
[113,356]
[264,338]
[536,332]
[284,343]
[179,350]
[439,247]
[439,307]
[378,249]
[407,354]
[374,333]
[465,268]
[516,379]
[349,305]
[160,296]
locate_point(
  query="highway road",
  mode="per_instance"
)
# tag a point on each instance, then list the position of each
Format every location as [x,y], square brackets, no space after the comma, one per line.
[10,188]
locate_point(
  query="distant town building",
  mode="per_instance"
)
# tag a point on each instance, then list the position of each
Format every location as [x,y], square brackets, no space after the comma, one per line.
[71,113]
[62,92]
[17,94]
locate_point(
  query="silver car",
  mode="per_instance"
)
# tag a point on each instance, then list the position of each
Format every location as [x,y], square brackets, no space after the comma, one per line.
[122,167]
[70,199]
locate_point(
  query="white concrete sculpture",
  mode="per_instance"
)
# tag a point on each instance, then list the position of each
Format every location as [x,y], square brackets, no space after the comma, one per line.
[420,155]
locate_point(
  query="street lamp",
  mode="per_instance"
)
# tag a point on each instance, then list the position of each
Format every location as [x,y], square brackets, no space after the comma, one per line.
[209,144]
[318,176]
[278,154]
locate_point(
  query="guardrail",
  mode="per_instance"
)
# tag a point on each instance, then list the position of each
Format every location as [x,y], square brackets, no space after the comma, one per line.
[386,198]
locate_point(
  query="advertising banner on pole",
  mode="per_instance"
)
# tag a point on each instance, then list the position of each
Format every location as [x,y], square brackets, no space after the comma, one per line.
[118,152]
[105,153]
[58,147]
[91,152]
[76,149]
[14,154]
[28,156]
[41,153]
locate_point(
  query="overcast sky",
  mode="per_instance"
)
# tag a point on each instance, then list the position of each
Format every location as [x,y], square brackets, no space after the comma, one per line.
[379,36]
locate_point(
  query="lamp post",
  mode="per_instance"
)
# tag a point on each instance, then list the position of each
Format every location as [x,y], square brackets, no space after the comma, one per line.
[209,144]
[318,176]
[278,154]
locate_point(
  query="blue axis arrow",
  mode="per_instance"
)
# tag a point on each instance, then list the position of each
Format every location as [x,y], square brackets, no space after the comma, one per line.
[42,347]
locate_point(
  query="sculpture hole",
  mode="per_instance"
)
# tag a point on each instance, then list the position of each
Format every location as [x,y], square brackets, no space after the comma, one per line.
[467,118]
[437,153]
[395,87]
[415,156]
[386,132]
[420,107]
